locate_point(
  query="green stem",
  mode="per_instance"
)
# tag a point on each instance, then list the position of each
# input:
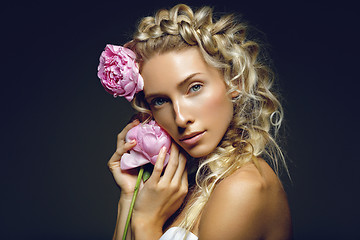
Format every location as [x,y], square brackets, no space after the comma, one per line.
[136,190]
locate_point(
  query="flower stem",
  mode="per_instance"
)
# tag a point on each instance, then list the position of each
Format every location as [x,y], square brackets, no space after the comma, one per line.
[136,190]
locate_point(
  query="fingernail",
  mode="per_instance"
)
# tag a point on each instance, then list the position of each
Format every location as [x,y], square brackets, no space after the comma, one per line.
[163,149]
[133,141]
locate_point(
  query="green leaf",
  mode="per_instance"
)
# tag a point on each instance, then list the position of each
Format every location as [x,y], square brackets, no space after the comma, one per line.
[148,168]
[146,175]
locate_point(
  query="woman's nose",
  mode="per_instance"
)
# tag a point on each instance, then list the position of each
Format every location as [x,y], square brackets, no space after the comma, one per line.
[182,114]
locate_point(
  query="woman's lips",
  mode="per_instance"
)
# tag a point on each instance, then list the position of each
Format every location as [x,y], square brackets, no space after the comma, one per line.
[193,139]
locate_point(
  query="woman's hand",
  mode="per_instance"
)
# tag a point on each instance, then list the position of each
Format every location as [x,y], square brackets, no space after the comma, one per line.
[126,180]
[161,196]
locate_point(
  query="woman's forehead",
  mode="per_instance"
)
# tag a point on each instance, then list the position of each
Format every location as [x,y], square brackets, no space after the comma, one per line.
[173,68]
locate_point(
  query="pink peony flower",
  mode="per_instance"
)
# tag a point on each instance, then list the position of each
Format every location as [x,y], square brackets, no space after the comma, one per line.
[150,138]
[119,73]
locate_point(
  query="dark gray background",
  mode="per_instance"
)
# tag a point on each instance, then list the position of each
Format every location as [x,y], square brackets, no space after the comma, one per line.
[59,126]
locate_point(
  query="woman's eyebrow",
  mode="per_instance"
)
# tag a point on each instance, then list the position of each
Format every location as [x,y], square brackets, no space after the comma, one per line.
[184,82]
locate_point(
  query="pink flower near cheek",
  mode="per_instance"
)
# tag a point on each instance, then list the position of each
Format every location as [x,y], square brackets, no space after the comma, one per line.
[150,139]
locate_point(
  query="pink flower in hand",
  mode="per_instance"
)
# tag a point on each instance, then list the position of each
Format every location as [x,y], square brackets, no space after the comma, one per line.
[119,73]
[150,138]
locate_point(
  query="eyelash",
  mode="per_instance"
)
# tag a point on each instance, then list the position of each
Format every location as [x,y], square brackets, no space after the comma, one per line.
[195,85]
[162,100]
[155,103]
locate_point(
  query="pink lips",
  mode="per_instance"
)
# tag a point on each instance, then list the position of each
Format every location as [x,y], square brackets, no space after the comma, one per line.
[193,138]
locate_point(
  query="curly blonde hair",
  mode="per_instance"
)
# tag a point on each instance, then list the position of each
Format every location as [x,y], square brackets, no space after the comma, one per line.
[257,111]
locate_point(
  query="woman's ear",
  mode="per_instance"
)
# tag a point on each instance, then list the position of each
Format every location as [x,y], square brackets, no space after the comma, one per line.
[235,89]
[235,94]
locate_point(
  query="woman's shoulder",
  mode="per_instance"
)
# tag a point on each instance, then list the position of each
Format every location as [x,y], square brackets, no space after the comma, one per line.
[247,203]
[251,178]
[250,181]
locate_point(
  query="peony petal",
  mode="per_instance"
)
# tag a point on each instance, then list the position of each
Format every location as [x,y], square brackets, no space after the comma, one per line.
[164,141]
[150,144]
[119,72]
[129,97]
[132,160]
[129,52]
[129,86]
[131,134]
[140,83]
[154,159]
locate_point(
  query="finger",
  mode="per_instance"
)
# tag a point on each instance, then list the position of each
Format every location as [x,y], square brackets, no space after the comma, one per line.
[121,136]
[180,169]
[121,150]
[172,164]
[184,180]
[159,166]
[114,162]
[122,146]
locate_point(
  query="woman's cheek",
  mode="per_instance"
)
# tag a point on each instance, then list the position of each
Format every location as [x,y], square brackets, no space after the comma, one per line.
[163,118]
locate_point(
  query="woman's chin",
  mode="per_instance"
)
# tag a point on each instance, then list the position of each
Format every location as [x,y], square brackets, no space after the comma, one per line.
[198,152]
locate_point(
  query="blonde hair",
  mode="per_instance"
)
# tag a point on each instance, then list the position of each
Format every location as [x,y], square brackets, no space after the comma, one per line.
[257,111]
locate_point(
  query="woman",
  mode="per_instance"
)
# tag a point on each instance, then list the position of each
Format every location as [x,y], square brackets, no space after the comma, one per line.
[204,84]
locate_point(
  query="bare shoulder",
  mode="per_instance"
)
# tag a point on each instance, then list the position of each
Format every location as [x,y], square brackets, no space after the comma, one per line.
[249,204]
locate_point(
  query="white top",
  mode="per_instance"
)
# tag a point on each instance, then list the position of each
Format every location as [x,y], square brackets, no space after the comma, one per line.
[177,233]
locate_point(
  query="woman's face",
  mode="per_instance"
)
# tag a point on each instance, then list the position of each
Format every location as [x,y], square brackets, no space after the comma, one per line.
[188,98]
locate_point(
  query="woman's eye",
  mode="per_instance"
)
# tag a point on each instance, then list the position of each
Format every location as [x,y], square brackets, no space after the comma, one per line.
[158,101]
[195,88]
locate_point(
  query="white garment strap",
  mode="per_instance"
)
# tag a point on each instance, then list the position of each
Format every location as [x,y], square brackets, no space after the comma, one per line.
[177,233]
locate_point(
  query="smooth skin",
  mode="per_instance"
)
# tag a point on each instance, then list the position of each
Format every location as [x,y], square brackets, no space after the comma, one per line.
[188,96]
[247,205]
